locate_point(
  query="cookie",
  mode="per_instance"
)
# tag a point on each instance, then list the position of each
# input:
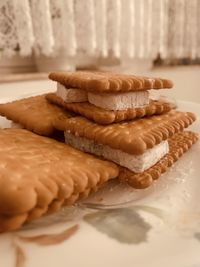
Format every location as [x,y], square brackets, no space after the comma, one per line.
[34,113]
[133,137]
[103,82]
[39,175]
[178,144]
[102,116]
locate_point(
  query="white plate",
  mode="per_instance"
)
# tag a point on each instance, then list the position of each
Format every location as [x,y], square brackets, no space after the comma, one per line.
[119,226]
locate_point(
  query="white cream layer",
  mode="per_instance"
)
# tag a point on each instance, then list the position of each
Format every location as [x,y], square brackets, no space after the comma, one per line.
[119,101]
[135,163]
[108,101]
[71,95]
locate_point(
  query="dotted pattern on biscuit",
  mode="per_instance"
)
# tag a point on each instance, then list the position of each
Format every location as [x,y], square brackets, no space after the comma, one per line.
[38,175]
[108,82]
[133,137]
[102,116]
[178,145]
[34,113]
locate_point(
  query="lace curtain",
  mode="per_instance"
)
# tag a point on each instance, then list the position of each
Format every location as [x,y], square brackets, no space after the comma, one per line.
[101,28]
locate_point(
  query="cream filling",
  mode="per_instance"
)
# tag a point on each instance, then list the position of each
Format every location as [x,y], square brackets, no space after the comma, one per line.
[135,163]
[71,95]
[119,101]
[108,101]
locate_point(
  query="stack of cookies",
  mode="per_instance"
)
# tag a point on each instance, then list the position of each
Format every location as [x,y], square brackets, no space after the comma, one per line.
[119,122]
[111,129]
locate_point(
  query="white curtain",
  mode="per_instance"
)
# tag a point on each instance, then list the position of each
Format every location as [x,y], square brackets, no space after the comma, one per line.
[101,28]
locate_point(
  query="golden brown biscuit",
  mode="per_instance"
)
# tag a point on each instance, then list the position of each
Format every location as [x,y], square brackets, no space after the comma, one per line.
[102,116]
[178,144]
[34,113]
[108,82]
[39,175]
[133,137]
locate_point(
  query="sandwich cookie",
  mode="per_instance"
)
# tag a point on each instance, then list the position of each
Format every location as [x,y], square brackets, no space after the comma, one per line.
[135,145]
[116,96]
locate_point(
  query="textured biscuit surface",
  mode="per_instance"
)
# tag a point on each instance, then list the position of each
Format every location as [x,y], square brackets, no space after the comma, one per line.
[103,116]
[178,145]
[108,82]
[34,113]
[133,137]
[39,175]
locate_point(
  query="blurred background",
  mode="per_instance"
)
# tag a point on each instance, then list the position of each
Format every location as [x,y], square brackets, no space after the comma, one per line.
[145,37]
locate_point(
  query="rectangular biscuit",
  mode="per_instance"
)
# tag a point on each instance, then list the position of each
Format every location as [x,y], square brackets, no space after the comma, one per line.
[102,116]
[34,113]
[39,175]
[103,82]
[178,144]
[133,137]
